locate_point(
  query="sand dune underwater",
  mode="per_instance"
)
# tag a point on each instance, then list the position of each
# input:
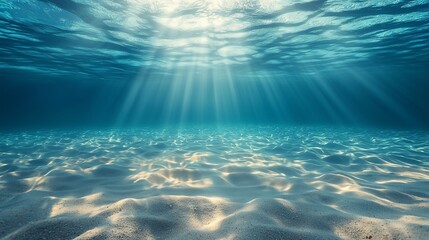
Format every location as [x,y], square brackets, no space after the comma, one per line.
[249,183]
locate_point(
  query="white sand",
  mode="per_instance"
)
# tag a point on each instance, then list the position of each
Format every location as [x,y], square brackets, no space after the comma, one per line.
[235,184]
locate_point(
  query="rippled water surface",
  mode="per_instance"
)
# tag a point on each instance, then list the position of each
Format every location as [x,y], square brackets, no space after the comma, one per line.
[94,37]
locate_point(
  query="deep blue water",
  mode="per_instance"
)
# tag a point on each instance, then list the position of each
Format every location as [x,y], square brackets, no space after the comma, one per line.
[138,63]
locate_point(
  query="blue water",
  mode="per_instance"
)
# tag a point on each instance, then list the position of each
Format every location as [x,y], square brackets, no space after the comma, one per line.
[121,63]
[312,117]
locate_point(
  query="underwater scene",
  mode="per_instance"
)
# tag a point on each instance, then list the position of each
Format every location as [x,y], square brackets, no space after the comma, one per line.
[214,119]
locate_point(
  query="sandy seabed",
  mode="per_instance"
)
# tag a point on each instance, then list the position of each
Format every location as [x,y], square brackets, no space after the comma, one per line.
[248,183]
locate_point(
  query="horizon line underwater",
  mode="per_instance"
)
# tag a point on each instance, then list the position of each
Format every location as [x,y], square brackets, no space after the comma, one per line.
[214,119]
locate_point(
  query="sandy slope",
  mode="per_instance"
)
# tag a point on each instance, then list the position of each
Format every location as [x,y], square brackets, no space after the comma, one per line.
[231,184]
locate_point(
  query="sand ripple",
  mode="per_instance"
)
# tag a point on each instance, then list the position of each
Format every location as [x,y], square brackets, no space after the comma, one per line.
[255,183]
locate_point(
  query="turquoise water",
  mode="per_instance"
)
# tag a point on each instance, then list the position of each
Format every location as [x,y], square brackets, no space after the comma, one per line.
[308,119]
[139,63]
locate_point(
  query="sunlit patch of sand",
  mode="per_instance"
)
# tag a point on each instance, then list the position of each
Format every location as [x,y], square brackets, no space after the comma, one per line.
[79,206]
[394,181]
[195,157]
[414,175]
[172,177]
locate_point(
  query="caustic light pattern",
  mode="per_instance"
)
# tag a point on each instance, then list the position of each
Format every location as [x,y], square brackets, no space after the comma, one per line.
[257,183]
